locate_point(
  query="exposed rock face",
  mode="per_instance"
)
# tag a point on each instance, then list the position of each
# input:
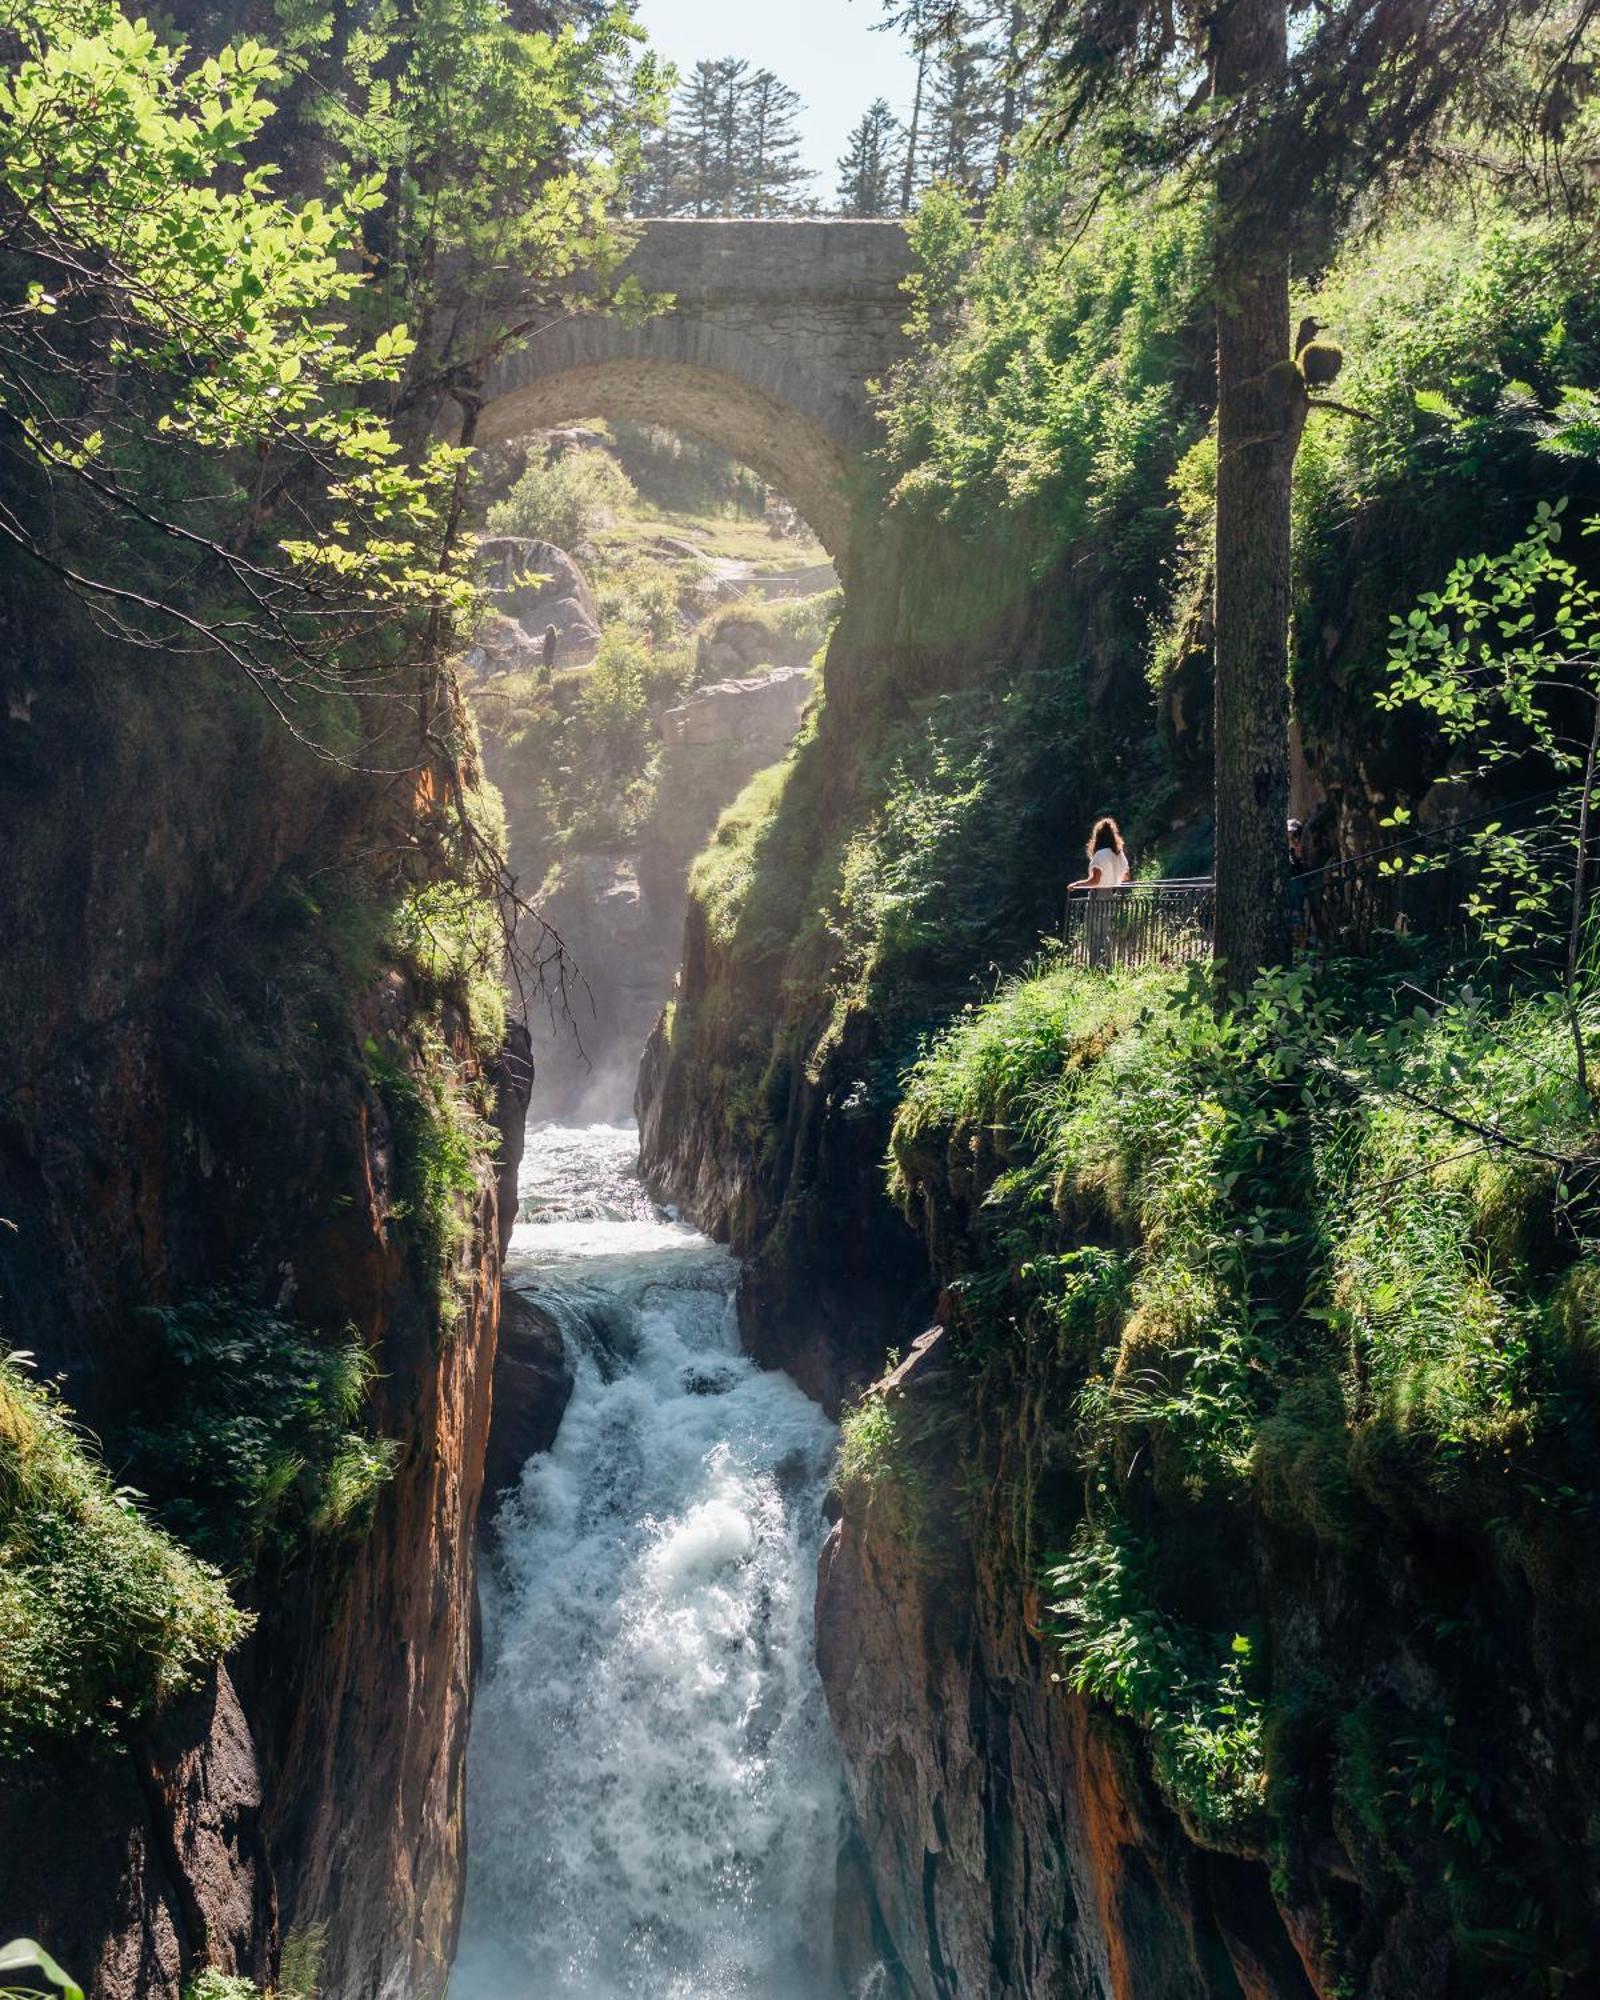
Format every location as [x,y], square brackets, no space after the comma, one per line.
[825,1290]
[364,1666]
[533,585]
[168,1126]
[621,914]
[1009,1845]
[760,711]
[533,1382]
[155,1864]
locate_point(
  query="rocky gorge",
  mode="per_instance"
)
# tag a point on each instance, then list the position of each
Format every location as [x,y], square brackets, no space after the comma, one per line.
[1045,1463]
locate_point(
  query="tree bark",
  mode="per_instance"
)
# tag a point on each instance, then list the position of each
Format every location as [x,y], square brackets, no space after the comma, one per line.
[908,185]
[1257,437]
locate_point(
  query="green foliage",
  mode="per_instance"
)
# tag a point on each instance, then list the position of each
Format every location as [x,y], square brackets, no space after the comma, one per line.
[565,499]
[645,597]
[882,1458]
[1351,1302]
[505,155]
[440,1144]
[1191,1695]
[449,929]
[138,222]
[730,870]
[211,1985]
[1465,333]
[103,1616]
[807,622]
[249,1431]
[922,874]
[300,1962]
[1498,657]
[23,1963]
[1055,397]
[686,475]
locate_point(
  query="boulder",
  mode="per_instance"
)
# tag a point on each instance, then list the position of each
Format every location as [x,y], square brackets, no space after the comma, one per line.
[763,708]
[532,585]
[532,1386]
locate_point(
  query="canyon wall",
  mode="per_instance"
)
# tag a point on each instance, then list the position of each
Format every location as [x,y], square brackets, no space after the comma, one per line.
[190,1108]
[1012,1837]
[619,910]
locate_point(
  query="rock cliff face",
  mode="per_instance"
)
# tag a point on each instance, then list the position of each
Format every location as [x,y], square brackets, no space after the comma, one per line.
[1010,1838]
[764,1098]
[183,1107]
[1010,1845]
[620,912]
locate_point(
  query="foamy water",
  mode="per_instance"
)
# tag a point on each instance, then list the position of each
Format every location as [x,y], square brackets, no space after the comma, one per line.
[653,1792]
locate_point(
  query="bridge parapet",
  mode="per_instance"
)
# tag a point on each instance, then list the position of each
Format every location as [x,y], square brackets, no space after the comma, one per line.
[729,261]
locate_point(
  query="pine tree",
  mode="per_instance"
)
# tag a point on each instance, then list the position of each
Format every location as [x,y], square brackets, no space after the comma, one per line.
[969,99]
[730,146]
[772,171]
[963,128]
[726,189]
[918,21]
[869,170]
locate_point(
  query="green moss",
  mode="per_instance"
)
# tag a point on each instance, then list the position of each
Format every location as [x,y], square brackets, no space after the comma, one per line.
[103,1616]
[248,1431]
[440,1145]
[735,875]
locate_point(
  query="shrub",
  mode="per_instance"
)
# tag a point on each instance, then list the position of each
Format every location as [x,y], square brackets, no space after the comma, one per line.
[103,1615]
[255,1433]
[1203,1722]
[686,475]
[563,500]
[440,1145]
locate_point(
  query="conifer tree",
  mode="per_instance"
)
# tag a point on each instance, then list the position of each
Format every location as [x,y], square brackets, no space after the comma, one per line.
[962,123]
[730,146]
[1287,141]
[773,175]
[869,173]
[919,21]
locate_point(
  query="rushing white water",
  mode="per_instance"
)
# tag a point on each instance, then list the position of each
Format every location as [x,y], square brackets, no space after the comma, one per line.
[653,1797]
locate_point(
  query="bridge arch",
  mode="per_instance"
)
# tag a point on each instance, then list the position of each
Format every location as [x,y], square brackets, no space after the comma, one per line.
[775,330]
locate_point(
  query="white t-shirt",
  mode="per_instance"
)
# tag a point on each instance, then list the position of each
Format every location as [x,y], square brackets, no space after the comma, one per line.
[1114,869]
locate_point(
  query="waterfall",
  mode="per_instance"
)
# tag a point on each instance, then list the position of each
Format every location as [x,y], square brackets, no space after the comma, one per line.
[653,1792]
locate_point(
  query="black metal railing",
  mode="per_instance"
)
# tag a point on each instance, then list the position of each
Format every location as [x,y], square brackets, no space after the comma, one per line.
[1142,923]
[1434,883]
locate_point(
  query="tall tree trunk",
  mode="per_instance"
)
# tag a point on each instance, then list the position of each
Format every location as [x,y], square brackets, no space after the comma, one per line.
[1011,102]
[908,185]
[1257,436]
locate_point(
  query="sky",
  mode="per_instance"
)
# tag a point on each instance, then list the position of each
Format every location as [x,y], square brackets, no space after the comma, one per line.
[825,49]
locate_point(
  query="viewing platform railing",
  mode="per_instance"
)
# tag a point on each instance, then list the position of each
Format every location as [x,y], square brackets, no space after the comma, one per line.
[1142,923]
[1431,883]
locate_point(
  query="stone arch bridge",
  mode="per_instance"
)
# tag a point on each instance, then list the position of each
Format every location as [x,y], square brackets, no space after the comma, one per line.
[775,330]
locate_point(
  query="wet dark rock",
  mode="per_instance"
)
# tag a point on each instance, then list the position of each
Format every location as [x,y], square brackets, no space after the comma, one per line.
[533,1381]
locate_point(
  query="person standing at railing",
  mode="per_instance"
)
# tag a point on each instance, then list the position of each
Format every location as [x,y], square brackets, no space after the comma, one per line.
[1108,869]
[1108,858]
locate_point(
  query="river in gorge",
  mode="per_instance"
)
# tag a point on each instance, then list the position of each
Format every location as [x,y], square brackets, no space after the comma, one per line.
[653,1794]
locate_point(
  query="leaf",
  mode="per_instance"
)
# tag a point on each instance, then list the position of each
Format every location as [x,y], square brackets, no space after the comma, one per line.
[24,1956]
